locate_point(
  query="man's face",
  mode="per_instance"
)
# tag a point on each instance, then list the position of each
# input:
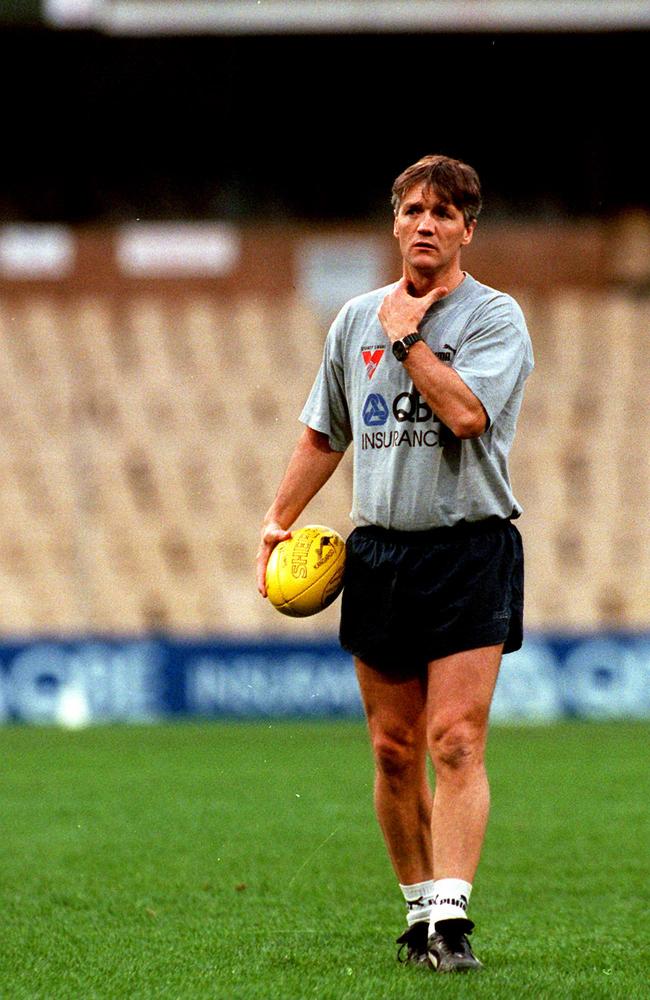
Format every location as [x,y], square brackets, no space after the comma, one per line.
[429,230]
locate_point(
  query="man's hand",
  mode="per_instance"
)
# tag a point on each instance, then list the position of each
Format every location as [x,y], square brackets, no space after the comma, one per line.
[312,463]
[272,533]
[401,313]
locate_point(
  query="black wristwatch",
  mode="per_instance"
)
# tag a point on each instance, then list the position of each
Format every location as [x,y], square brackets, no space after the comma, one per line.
[402,347]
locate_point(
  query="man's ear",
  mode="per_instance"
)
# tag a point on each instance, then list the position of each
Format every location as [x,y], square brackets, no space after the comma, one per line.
[395,233]
[469,232]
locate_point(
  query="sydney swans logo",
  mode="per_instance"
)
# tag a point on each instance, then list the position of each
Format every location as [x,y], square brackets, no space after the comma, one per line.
[372,355]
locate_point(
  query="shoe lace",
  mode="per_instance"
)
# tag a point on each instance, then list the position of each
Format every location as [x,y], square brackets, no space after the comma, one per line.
[412,941]
[402,955]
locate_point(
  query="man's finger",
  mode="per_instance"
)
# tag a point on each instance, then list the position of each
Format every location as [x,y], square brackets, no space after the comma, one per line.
[437,293]
[261,576]
[270,539]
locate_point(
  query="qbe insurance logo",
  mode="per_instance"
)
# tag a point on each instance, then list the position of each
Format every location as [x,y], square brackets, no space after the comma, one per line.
[375,410]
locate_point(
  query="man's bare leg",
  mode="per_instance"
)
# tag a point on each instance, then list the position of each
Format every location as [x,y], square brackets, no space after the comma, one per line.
[397,721]
[459,697]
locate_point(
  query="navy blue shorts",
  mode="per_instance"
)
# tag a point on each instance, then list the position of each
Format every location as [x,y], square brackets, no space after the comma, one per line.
[412,597]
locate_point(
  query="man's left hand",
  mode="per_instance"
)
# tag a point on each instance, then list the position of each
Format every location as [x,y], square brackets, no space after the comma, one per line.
[401,313]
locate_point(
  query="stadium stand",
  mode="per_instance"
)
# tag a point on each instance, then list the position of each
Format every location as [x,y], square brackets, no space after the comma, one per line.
[143,434]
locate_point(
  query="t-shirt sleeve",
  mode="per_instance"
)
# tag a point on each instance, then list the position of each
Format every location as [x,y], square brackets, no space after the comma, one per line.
[326,409]
[494,354]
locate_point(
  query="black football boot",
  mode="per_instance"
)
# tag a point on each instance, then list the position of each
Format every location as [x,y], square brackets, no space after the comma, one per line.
[448,948]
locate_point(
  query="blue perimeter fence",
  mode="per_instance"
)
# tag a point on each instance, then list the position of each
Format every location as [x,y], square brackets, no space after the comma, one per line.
[91,680]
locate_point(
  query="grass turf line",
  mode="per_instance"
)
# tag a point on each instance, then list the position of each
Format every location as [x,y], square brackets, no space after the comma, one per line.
[243,861]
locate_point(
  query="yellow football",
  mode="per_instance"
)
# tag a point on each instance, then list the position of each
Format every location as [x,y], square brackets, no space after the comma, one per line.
[305,573]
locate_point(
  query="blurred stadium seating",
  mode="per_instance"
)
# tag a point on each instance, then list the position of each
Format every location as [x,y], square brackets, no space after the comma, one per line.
[145,426]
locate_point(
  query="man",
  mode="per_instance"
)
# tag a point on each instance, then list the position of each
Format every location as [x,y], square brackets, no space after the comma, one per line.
[426,377]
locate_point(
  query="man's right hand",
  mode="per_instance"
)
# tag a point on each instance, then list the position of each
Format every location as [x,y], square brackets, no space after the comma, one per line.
[312,463]
[272,533]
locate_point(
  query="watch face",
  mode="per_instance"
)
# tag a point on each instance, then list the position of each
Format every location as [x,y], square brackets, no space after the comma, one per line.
[399,350]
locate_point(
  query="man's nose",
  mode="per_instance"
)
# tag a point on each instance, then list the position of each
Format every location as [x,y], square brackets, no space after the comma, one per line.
[426,224]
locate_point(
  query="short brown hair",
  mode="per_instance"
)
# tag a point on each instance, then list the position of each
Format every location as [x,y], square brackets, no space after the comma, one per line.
[455,181]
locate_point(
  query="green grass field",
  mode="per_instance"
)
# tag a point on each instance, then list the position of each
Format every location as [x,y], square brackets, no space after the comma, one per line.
[243,861]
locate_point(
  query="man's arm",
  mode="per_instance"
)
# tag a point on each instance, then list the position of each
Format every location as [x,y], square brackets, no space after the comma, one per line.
[309,468]
[451,400]
[449,397]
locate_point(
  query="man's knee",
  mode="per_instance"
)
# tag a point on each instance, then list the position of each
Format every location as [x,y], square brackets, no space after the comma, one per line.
[397,754]
[457,745]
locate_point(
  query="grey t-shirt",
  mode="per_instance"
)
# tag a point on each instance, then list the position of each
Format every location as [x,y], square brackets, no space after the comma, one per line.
[410,472]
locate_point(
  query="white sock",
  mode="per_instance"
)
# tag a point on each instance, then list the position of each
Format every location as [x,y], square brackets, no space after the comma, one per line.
[450,900]
[419,898]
